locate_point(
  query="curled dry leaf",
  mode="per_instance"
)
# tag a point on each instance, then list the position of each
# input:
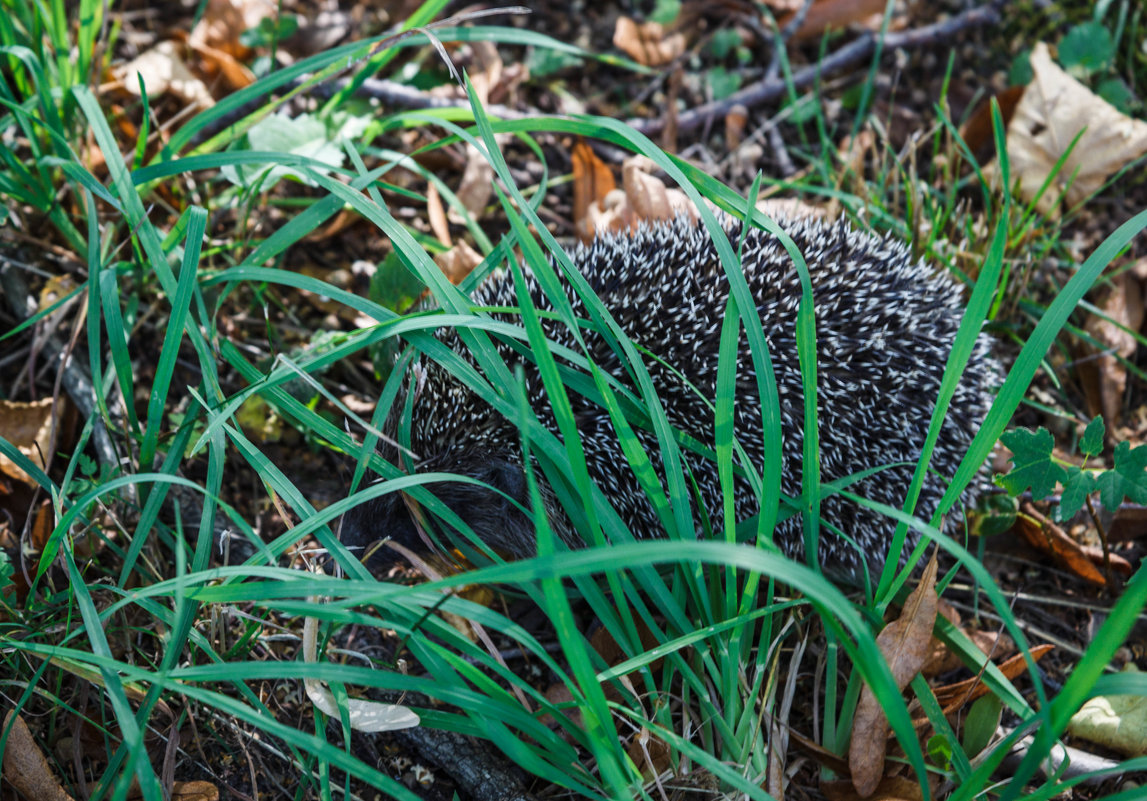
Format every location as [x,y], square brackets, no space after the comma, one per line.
[592,181]
[952,696]
[904,643]
[1053,110]
[163,70]
[647,43]
[1045,536]
[24,765]
[645,197]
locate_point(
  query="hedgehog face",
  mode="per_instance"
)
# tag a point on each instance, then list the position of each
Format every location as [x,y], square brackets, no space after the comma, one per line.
[493,508]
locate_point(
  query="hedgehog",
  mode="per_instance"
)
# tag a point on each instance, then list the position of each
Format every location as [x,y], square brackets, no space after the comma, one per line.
[885,323]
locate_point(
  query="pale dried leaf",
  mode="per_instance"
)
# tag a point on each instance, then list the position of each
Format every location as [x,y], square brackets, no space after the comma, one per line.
[1054,108]
[647,43]
[1118,722]
[457,262]
[163,70]
[28,426]
[362,714]
[437,214]
[477,183]
[904,643]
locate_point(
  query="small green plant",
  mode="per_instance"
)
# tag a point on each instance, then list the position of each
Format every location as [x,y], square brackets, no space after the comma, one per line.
[1035,467]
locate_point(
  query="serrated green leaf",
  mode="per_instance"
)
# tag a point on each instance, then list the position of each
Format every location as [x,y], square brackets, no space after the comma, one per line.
[1091,443]
[1078,486]
[1128,479]
[1032,465]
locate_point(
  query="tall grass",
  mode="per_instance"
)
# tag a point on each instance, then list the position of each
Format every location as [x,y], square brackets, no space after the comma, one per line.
[715,610]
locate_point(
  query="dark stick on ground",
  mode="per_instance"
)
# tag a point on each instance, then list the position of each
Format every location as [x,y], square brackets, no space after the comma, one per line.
[774,88]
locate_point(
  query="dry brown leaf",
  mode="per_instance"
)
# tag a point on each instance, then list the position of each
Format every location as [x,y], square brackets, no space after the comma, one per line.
[736,118]
[904,644]
[194,791]
[592,181]
[163,70]
[24,765]
[486,72]
[648,197]
[825,14]
[477,184]
[1054,108]
[890,788]
[224,20]
[978,131]
[457,262]
[650,753]
[647,43]
[952,696]
[1044,535]
[235,73]
[437,214]
[28,426]
[1101,371]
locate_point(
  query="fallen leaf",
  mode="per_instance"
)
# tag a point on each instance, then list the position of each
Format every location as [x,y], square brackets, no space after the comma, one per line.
[1044,535]
[1118,722]
[826,14]
[223,21]
[648,196]
[1101,369]
[647,43]
[163,70]
[28,426]
[437,215]
[24,765]
[1053,110]
[904,645]
[457,262]
[592,181]
[952,696]
[476,186]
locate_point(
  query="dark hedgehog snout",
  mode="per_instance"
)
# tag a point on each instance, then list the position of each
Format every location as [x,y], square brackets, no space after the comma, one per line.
[491,504]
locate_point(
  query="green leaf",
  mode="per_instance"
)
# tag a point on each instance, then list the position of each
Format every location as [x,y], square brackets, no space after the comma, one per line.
[665,11]
[1092,442]
[940,751]
[1032,465]
[1078,486]
[723,42]
[1115,92]
[722,83]
[1086,48]
[1127,480]
[306,135]
[981,723]
[1020,72]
